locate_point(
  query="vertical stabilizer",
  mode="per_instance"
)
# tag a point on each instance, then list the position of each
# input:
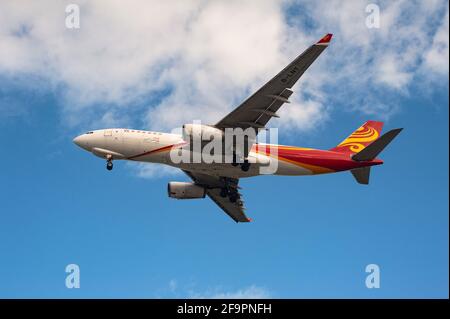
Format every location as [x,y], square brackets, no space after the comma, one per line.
[360,138]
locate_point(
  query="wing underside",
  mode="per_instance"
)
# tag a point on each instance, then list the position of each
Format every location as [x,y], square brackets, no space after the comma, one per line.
[259,108]
[214,185]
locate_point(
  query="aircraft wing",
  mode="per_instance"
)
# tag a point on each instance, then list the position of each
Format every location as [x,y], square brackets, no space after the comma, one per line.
[259,108]
[213,185]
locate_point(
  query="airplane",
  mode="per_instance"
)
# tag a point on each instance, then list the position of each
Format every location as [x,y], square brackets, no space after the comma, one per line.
[220,181]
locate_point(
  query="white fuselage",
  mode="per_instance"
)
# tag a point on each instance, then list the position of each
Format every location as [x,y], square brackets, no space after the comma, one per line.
[156,147]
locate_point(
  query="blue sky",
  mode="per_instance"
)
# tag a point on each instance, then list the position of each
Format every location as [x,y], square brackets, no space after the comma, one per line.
[311,236]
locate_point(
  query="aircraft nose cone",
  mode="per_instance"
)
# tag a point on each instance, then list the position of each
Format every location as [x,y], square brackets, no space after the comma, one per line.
[81,141]
[77,140]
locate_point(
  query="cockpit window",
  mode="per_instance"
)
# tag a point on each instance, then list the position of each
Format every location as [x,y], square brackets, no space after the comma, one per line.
[90,132]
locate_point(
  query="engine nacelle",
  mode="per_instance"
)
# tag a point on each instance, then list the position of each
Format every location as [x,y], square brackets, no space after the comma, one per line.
[183,190]
[201,132]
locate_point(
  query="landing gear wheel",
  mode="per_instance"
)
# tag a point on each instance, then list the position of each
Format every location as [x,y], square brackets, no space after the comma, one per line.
[245,166]
[109,166]
[234,163]
[223,192]
[233,197]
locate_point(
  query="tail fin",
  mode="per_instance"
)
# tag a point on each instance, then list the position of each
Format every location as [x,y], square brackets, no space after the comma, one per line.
[360,138]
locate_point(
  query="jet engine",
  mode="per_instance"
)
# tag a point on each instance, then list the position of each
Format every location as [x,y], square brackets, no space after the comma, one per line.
[183,190]
[201,132]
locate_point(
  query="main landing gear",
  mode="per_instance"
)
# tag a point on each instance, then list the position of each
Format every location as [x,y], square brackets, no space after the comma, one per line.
[234,163]
[231,193]
[109,163]
[245,166]
[224,192]
[233,197]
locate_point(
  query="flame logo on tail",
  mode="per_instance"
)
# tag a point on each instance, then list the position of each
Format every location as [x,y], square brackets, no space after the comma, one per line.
[360,138]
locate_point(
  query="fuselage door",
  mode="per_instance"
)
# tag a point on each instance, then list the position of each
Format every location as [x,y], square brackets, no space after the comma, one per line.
[107,136]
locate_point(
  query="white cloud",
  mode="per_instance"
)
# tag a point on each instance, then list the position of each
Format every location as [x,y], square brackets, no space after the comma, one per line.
[200,59]
[227,50]
[150,170]
[173,285]
[376,65]
[250,292]
[390,72]
[176,290]
[437,57]
[302,114]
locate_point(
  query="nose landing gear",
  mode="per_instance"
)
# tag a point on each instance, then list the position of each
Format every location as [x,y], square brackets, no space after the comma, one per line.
[109,163]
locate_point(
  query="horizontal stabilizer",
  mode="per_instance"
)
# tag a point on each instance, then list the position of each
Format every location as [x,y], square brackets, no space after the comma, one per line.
[361,174]
[375,148]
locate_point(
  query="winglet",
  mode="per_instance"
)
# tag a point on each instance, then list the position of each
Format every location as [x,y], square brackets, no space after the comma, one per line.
[325,40]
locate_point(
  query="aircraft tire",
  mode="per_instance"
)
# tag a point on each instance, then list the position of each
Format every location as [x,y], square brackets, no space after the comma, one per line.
[223,192]
[245,166]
